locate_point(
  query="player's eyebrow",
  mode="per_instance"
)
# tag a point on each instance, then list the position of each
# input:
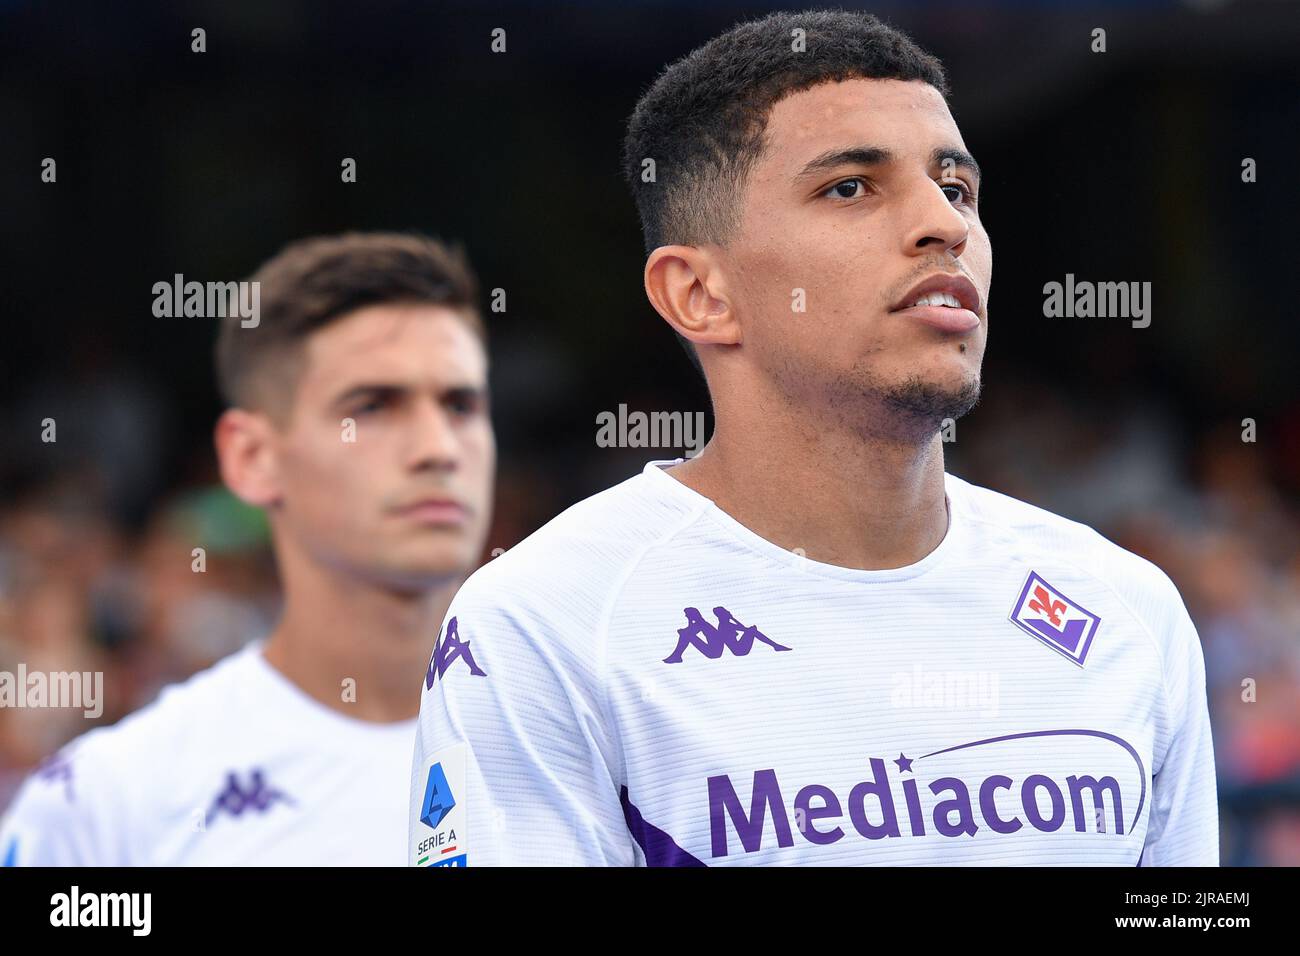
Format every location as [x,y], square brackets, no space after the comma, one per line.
[465,393]
[847,156]
[959,157]
[387,390]
[879,156]
[369,389]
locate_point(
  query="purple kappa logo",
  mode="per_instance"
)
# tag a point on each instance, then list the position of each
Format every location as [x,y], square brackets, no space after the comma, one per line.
[448,650]
[711,640]
[235,799]
[57,768]
[1051,617]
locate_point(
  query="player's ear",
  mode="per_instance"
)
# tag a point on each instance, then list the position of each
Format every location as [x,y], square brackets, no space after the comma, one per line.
[246,454]
[688,287]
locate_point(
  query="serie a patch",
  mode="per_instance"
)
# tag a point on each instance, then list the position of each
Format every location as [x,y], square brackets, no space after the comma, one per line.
[438,833]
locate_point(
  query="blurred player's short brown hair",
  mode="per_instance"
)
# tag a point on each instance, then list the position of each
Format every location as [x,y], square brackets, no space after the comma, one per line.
[315,281]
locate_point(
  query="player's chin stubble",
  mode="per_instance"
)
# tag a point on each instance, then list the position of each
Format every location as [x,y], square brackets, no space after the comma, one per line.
[930,404]
[911,410]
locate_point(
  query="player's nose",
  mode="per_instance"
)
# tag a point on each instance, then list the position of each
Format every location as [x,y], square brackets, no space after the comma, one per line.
[432,441]
[933,224]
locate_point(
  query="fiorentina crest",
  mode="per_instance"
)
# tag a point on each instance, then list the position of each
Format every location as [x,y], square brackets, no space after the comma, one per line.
[1054,619]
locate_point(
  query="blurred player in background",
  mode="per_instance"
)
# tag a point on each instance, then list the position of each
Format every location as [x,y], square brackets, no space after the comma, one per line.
[731,660]
[359,421]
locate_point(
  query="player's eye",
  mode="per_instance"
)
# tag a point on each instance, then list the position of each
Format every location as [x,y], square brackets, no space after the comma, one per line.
[962,192]
[369,406]
[464,403]
[854,188]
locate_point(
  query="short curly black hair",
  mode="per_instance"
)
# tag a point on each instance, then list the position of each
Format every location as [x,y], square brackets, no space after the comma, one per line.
[703,120]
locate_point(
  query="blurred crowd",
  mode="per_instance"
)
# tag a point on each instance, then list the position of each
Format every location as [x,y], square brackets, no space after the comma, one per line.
[84,589]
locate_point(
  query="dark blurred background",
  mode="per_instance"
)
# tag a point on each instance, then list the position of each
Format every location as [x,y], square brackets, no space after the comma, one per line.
[1122,166]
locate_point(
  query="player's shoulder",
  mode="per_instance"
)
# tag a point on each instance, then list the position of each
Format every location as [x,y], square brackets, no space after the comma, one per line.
[152,742]
[135,773]
[1003,523]
[569,566]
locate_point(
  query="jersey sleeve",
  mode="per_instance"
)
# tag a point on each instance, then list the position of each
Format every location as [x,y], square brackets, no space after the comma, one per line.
[1184,825]
[515,762]
[57,818]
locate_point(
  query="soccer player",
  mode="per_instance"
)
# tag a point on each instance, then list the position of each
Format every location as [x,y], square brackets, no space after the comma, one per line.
[359,422]
[733,659]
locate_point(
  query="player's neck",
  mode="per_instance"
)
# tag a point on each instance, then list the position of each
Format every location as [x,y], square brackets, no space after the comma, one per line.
[356,648]
[845,500]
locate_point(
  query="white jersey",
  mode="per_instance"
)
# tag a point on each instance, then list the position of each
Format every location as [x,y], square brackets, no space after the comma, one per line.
[645,681]
[235,766]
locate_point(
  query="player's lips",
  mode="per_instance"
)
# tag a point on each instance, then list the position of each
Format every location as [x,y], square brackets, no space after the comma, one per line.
[947,301]
[434,510]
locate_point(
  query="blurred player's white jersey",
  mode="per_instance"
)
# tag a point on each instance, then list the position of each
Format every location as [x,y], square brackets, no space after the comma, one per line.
[646,681]
[236,766]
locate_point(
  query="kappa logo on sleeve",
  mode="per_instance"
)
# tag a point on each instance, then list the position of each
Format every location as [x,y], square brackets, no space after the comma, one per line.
[448,650]
[442,811]
[57,768]
[1054,619]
